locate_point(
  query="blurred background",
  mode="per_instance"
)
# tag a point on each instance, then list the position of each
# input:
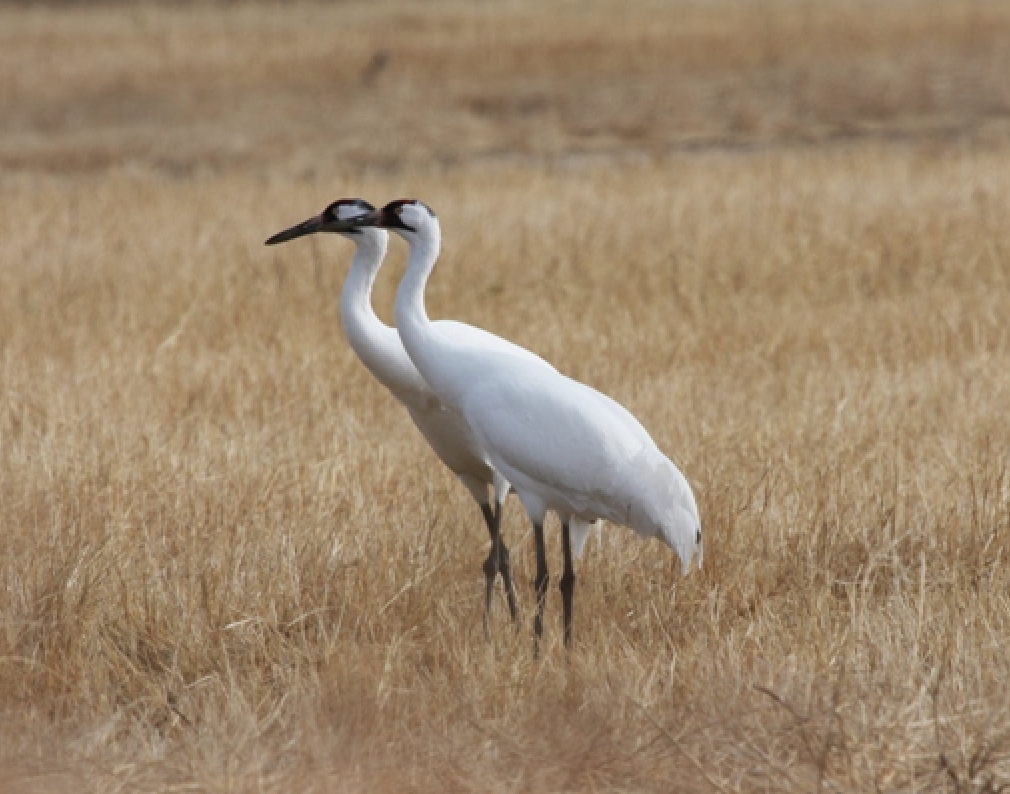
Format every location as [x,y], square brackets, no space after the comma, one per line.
[776,230]
[183,86]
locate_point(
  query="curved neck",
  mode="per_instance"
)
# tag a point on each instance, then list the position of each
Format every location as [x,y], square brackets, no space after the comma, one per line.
[416,330]
[424,249]
[375,343]
[365,331]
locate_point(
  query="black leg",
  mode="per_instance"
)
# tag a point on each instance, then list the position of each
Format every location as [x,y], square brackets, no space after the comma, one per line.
[543,579]
[490,568]
[505,566]
[497,562]
[567,583]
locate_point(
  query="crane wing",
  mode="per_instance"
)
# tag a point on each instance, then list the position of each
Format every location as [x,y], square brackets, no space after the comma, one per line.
[556,431]
[566,447]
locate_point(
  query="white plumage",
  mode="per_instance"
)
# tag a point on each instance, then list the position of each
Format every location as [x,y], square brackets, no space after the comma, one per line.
[380,349]
[561,444]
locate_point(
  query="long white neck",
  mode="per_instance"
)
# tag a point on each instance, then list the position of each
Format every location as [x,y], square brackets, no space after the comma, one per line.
[376,344]
[426,347]
[361,324]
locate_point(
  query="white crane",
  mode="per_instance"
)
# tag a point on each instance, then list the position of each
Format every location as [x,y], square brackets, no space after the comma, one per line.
[381,351]
[562,445]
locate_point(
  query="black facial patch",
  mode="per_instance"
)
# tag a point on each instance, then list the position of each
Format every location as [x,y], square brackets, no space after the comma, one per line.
[391,215]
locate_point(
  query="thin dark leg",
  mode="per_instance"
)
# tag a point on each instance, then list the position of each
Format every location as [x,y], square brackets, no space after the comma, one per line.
[497,562]
[543,579]
[490,567]
[567,583]
[505,566]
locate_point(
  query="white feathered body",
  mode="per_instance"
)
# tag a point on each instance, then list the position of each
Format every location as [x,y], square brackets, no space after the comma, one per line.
[561,444]
[381,350]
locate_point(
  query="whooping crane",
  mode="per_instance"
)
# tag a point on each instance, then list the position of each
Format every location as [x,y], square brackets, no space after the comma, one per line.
[561,444]
[381,351]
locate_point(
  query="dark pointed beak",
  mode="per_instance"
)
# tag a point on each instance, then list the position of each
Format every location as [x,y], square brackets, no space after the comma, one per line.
[310,226]
[320,224]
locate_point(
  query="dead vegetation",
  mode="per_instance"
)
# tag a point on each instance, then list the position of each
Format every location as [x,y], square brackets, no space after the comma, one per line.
[230,564]
[319,86]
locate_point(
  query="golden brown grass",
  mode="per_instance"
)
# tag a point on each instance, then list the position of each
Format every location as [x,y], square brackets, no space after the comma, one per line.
[319,86]
[230,564]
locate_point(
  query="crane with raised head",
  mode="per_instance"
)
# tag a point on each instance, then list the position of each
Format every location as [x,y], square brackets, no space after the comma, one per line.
[563,446]
[381,351]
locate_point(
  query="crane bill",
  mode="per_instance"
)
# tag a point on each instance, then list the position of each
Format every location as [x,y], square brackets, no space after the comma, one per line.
[320,223]
[310,226]
[579,531]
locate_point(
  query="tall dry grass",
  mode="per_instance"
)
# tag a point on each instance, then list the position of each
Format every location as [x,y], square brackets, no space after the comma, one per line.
[230,563]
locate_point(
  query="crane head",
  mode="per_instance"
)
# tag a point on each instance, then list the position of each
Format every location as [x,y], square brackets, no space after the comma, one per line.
[339,218]
[407,217]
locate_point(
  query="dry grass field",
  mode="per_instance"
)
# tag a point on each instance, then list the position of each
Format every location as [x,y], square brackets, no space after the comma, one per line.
[779,233]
